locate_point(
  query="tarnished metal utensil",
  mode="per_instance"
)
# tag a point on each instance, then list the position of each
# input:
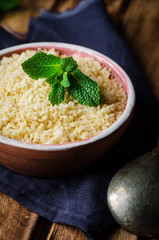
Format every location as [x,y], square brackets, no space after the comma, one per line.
[133,195]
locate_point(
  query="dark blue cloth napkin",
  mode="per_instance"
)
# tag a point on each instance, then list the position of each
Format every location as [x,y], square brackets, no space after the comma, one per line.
[81,199]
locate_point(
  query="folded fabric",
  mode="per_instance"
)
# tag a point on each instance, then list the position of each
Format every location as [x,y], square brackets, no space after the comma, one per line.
[81,199]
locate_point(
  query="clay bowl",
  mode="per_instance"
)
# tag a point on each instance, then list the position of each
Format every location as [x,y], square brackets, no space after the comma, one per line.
[42,160]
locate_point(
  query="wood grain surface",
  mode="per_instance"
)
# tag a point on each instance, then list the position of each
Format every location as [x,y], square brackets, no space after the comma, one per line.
[138,22]
[15,220]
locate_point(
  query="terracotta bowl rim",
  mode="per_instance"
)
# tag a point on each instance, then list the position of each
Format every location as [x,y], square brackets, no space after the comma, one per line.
[60,147]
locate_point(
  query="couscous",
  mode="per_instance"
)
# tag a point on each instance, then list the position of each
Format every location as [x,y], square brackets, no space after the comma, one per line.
[27,115]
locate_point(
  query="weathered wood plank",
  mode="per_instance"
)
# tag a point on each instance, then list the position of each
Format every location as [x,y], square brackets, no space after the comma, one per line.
[16,222]
[63,5]
[120,234]
[138,22]
[63,232]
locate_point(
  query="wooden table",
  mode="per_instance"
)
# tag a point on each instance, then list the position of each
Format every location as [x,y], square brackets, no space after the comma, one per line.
[138,22]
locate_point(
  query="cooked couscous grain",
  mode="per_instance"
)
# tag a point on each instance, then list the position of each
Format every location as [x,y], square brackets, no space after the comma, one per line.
[27,115]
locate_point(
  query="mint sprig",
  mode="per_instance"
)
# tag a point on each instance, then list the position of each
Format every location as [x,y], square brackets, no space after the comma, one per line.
[8,4]
[62,73]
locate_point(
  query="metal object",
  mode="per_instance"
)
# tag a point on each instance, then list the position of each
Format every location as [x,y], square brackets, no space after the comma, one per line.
[133,195]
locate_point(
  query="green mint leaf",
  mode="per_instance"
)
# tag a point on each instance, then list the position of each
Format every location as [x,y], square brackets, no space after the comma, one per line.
[53,79]
[8,4]
[42,65]
[68,64]
[56,95]
[62,73]
[65,82]
[83,89]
